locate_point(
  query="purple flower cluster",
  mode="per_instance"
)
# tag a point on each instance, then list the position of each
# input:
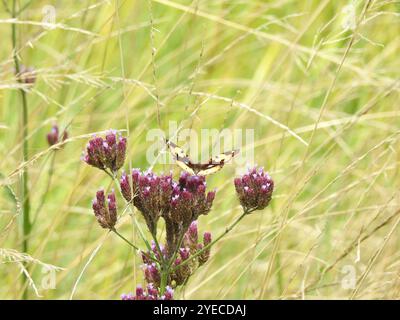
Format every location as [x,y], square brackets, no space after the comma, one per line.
[53,136]
[150,194]
[151,269]
[205,255]
[106,153]
[151,293]
[189,201]
[180,203]
[191,248]
[159,196]
[191,241]
[254,189]
[105,210]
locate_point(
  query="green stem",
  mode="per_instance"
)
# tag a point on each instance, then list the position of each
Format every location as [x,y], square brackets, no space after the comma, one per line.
[125,239]
[132,245]
[109,174]
[176,252]
[164,280]
[162,260]
[26,226]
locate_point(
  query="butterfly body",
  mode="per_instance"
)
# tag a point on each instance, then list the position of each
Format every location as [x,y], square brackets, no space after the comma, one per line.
[201,169]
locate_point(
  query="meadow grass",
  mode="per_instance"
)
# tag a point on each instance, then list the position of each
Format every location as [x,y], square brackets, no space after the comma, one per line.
[323,101]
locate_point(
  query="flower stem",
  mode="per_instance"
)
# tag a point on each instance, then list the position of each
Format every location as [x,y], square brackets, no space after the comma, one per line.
[172,259]
[125,239]
[164,280]
[115,180]
[26,225]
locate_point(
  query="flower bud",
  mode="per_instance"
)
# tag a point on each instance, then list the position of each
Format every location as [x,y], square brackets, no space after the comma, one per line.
[168,294]
[53,137]
[152,274]
[205,255]
[106,213]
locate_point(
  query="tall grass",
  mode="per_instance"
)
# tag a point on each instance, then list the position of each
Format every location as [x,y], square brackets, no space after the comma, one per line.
[323,101]
[26,224]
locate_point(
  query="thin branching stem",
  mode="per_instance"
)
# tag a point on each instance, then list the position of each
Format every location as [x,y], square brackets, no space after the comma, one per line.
[125,239]
[26,225]
[115,180]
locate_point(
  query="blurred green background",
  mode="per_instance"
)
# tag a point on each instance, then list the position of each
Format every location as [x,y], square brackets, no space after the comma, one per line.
[328,70]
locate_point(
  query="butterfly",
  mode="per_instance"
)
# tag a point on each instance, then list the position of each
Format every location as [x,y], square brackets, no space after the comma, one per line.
[200,169]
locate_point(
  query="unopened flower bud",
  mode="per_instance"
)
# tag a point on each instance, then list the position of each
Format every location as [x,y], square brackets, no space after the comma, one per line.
[53,137]
[205,255]
[184,253]
[168,294]
[152,274]
[105,211]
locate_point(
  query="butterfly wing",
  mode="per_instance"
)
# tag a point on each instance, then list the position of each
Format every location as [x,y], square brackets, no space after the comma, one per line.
[224,157]
[181,158]
[185,166]
[210,170]
[176,151]
[216,163]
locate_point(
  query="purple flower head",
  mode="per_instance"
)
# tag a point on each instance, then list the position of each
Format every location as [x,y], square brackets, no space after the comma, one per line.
[184,253]
[150,293]
[191,236]
[152,274]
[205,255]
[254,189]
[127,296]
[206,238]
[190,200]
[105,210]
[151,194]
[139,291]
[168,294]
[53,136]
[108,153]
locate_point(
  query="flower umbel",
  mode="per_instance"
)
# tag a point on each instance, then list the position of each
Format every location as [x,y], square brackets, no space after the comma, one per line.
[105,210]
[150,194]
[254,189]
[108,153]
[189,201]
